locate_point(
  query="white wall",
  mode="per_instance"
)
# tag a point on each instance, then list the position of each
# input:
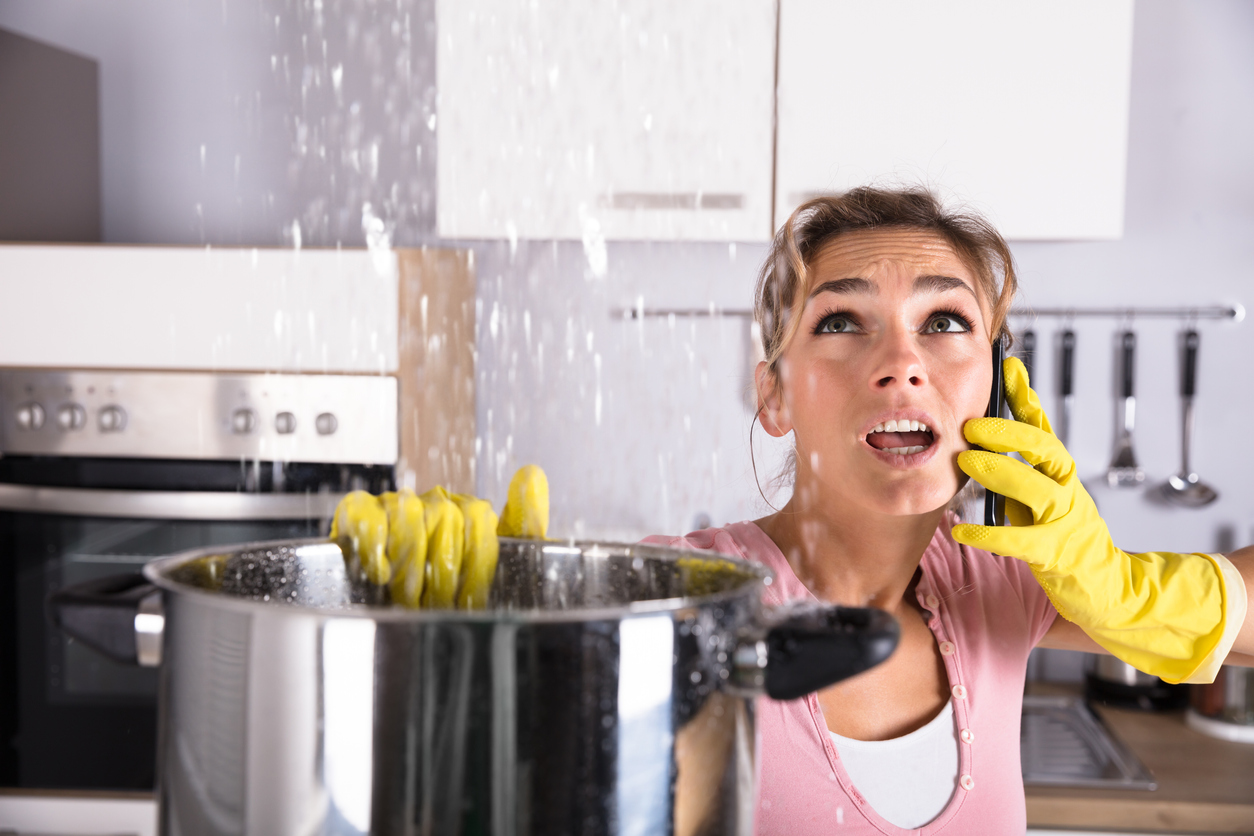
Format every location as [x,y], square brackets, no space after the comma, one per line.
[670,399]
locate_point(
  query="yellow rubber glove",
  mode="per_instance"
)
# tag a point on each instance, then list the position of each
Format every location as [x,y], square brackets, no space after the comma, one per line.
[526,511]
[360,527]
[446,542]
[1171,615]
[481,552]
[407,546]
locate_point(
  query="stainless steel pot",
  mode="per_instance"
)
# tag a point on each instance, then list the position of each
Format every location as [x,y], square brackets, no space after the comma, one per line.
[608,689]
[1112,681]
[1225,707]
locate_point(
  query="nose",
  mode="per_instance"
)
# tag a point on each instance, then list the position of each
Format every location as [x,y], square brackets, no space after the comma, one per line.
[898,363]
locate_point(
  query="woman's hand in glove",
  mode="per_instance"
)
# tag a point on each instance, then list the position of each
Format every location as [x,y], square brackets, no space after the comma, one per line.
[1171,615]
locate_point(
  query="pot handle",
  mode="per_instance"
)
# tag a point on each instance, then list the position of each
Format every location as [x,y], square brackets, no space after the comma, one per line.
[804,647]
[120,616]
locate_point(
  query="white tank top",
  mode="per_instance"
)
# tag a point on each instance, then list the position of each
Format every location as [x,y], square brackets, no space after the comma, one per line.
[907,780]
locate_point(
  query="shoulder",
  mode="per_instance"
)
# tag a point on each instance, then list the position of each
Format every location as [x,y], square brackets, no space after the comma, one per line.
[746,541]
[957,568]
[742,540]
[999,589]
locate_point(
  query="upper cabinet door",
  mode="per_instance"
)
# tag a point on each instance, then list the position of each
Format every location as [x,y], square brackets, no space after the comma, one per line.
[641,119]
[1019,109]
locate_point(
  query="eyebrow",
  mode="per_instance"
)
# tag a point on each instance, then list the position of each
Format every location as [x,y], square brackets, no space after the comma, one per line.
[939,284]
[923,284]
[847,287]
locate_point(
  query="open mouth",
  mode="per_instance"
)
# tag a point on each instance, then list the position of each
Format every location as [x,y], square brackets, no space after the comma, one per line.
[902,438]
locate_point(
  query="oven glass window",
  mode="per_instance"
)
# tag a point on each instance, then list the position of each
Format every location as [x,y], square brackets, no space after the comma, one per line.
[69,717]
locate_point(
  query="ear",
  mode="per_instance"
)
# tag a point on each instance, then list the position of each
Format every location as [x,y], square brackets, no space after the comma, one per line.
[772,413]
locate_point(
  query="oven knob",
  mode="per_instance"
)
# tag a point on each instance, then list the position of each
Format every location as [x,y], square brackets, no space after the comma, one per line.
[243,421]
[30,416]
[112,419]
[285,423]
[326,423]
[71,416]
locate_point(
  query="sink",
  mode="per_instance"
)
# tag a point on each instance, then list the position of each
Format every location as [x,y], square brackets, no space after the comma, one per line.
[1063,744]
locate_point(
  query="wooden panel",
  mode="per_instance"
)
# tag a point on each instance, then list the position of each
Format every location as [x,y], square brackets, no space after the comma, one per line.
[437,369]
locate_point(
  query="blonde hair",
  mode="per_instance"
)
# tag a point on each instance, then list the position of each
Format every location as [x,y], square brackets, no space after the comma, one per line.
[780,294]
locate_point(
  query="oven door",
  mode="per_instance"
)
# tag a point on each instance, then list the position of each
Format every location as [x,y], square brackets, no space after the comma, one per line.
[70,718]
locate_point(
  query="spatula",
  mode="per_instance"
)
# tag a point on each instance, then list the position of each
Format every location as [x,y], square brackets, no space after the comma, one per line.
[1124,472]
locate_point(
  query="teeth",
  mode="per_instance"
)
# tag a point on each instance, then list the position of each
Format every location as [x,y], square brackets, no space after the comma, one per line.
[905,451]
[901,426]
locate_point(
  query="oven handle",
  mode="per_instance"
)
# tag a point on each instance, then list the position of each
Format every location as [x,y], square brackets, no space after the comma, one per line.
[120,616]
[167,505]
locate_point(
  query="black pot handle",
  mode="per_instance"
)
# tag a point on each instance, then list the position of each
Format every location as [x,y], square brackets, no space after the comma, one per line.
[119,616]
[811,646]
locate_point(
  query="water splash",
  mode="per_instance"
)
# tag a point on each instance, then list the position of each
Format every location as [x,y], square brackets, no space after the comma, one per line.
[594,249]
[378,239]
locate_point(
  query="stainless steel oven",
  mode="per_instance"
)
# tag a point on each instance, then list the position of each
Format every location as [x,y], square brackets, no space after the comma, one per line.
[100,472]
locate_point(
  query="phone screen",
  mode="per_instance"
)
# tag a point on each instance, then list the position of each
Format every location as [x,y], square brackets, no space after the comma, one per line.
[995,503]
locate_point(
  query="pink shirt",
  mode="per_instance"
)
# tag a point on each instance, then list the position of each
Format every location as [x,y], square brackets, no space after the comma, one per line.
[988,613]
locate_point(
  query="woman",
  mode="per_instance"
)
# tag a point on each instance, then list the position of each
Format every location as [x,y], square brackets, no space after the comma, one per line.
[878,310]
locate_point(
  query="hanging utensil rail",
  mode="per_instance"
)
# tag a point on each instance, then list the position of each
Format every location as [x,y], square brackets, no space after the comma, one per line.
[1235,312]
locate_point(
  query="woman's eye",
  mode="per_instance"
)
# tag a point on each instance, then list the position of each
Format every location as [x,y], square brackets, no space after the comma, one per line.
[944,324]
[835,324]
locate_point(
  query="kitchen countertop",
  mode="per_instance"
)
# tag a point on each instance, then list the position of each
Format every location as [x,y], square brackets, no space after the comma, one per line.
[1204,785]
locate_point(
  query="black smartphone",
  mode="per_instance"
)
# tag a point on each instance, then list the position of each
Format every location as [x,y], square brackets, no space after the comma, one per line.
[995,503]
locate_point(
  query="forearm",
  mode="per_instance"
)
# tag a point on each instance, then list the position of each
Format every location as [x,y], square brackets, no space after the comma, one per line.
[1243,648]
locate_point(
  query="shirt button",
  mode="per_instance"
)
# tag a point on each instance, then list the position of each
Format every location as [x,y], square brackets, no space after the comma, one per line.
[967,782]
[947,648]
[967,736]
[960,692]
[932,602]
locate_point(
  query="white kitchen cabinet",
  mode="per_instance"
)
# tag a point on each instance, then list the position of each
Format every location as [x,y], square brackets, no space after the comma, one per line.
[1018,109]
[641,119]
[90,307]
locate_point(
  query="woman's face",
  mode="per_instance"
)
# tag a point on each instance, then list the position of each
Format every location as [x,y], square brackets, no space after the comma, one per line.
[894,332]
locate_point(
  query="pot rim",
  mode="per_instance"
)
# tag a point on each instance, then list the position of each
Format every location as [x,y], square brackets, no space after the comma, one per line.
[156,572]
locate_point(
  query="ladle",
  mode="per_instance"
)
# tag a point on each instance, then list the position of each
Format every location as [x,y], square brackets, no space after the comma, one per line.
[1185,488]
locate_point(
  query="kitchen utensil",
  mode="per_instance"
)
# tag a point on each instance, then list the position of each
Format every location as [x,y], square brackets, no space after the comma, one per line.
[1067,384]
[607,689]
[1185,488]
[1027,353]
[1124,472]
[1225,707]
